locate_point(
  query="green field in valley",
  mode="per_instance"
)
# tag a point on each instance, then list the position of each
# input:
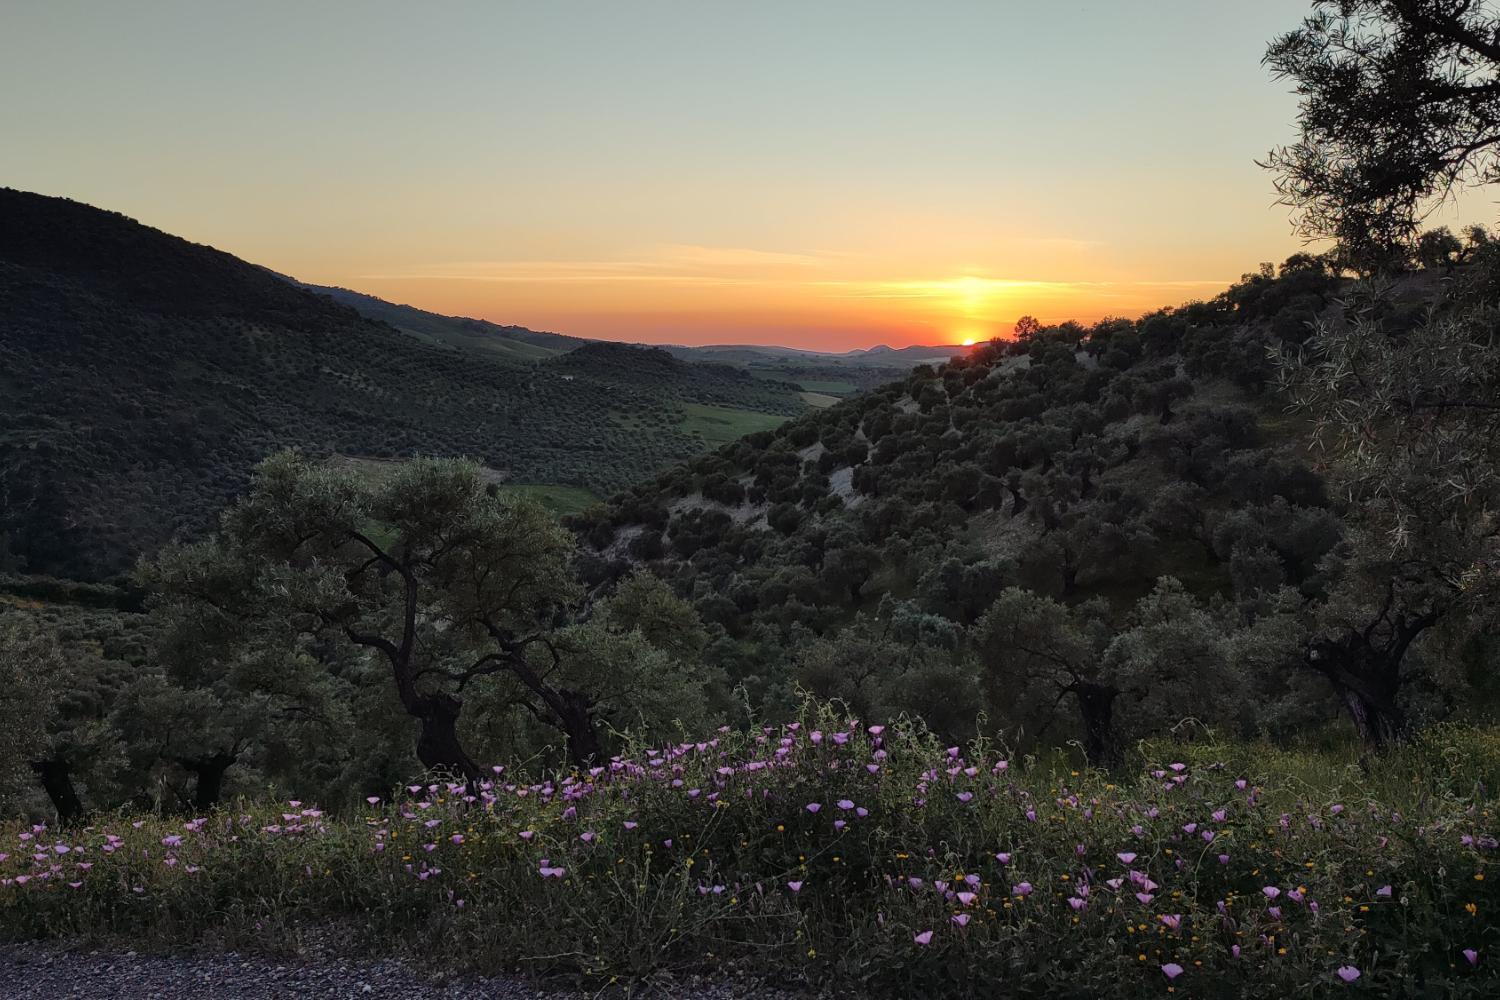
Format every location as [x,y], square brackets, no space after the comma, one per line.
[558,499]
[831,387]
[719,425]
[828,386]
[821,400]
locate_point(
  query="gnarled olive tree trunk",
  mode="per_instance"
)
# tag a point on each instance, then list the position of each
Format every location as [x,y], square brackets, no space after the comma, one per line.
[57,781]
[208,778]
[1364,670]
[1096,709]
[438,744]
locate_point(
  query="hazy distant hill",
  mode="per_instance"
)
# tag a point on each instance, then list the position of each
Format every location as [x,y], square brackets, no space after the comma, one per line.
[881,355]
[515,343]
[141,376]
[652,367]
[823,375]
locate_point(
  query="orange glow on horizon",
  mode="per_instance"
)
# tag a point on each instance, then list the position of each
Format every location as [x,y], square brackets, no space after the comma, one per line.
[683,173]
[701,295]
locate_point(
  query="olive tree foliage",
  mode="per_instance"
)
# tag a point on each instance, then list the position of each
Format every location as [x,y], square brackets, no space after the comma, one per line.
[1284,700]
[26,693]
[54,716]
[1400,105]
[1408,419]
[897,660]
[1165,663]
[202,712]
[637,655]
[1036,652]
[1172,661]
[429,572]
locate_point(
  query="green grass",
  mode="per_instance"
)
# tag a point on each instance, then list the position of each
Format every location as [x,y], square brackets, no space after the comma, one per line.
[821,400]
[719,425]
[828,387]
[558,499]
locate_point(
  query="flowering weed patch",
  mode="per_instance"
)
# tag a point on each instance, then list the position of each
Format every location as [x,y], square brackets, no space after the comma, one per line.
[837,854]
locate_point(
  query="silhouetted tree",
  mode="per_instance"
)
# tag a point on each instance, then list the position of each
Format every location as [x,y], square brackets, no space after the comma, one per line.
[1400,104]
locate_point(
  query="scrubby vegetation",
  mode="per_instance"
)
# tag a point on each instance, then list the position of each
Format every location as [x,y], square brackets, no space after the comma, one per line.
[856,857]
[1091,531]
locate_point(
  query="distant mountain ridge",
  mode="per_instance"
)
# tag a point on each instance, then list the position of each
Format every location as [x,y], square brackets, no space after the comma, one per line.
[534,345]
[823,376]
[878,355]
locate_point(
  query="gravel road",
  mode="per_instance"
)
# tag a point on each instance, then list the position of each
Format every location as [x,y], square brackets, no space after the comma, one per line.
[53,972]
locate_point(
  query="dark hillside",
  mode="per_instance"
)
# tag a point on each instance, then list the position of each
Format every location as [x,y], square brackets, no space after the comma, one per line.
[1078,463]
[514,343]
[117,259]
[836,374]
[142,376]
[656,369]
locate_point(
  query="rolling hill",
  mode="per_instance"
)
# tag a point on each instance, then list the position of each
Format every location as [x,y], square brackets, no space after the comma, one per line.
[142,376]
[511,343]
[1082,464]
[818,373]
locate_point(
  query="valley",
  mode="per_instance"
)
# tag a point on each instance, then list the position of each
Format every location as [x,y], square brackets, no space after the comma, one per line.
[140,396]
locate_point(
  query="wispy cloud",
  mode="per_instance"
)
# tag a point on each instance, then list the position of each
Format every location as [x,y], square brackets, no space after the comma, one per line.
[691,255]
[665,262]
[974,287]
[1185,283]
[968,286]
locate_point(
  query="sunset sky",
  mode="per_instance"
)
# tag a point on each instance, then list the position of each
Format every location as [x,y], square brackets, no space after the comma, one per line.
[817,174]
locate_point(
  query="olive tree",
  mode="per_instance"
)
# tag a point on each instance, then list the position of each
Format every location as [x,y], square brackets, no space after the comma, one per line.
[26,694]
[428,570]
[1409,422]
[897,660]
[1400,104]
[1171,662]
[638,654]
[1165,662]
[1029,645]
[195,717]
[56,714]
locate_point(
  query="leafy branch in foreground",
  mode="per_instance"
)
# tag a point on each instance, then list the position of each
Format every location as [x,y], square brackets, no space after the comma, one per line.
[1409,421]
[1400,105]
